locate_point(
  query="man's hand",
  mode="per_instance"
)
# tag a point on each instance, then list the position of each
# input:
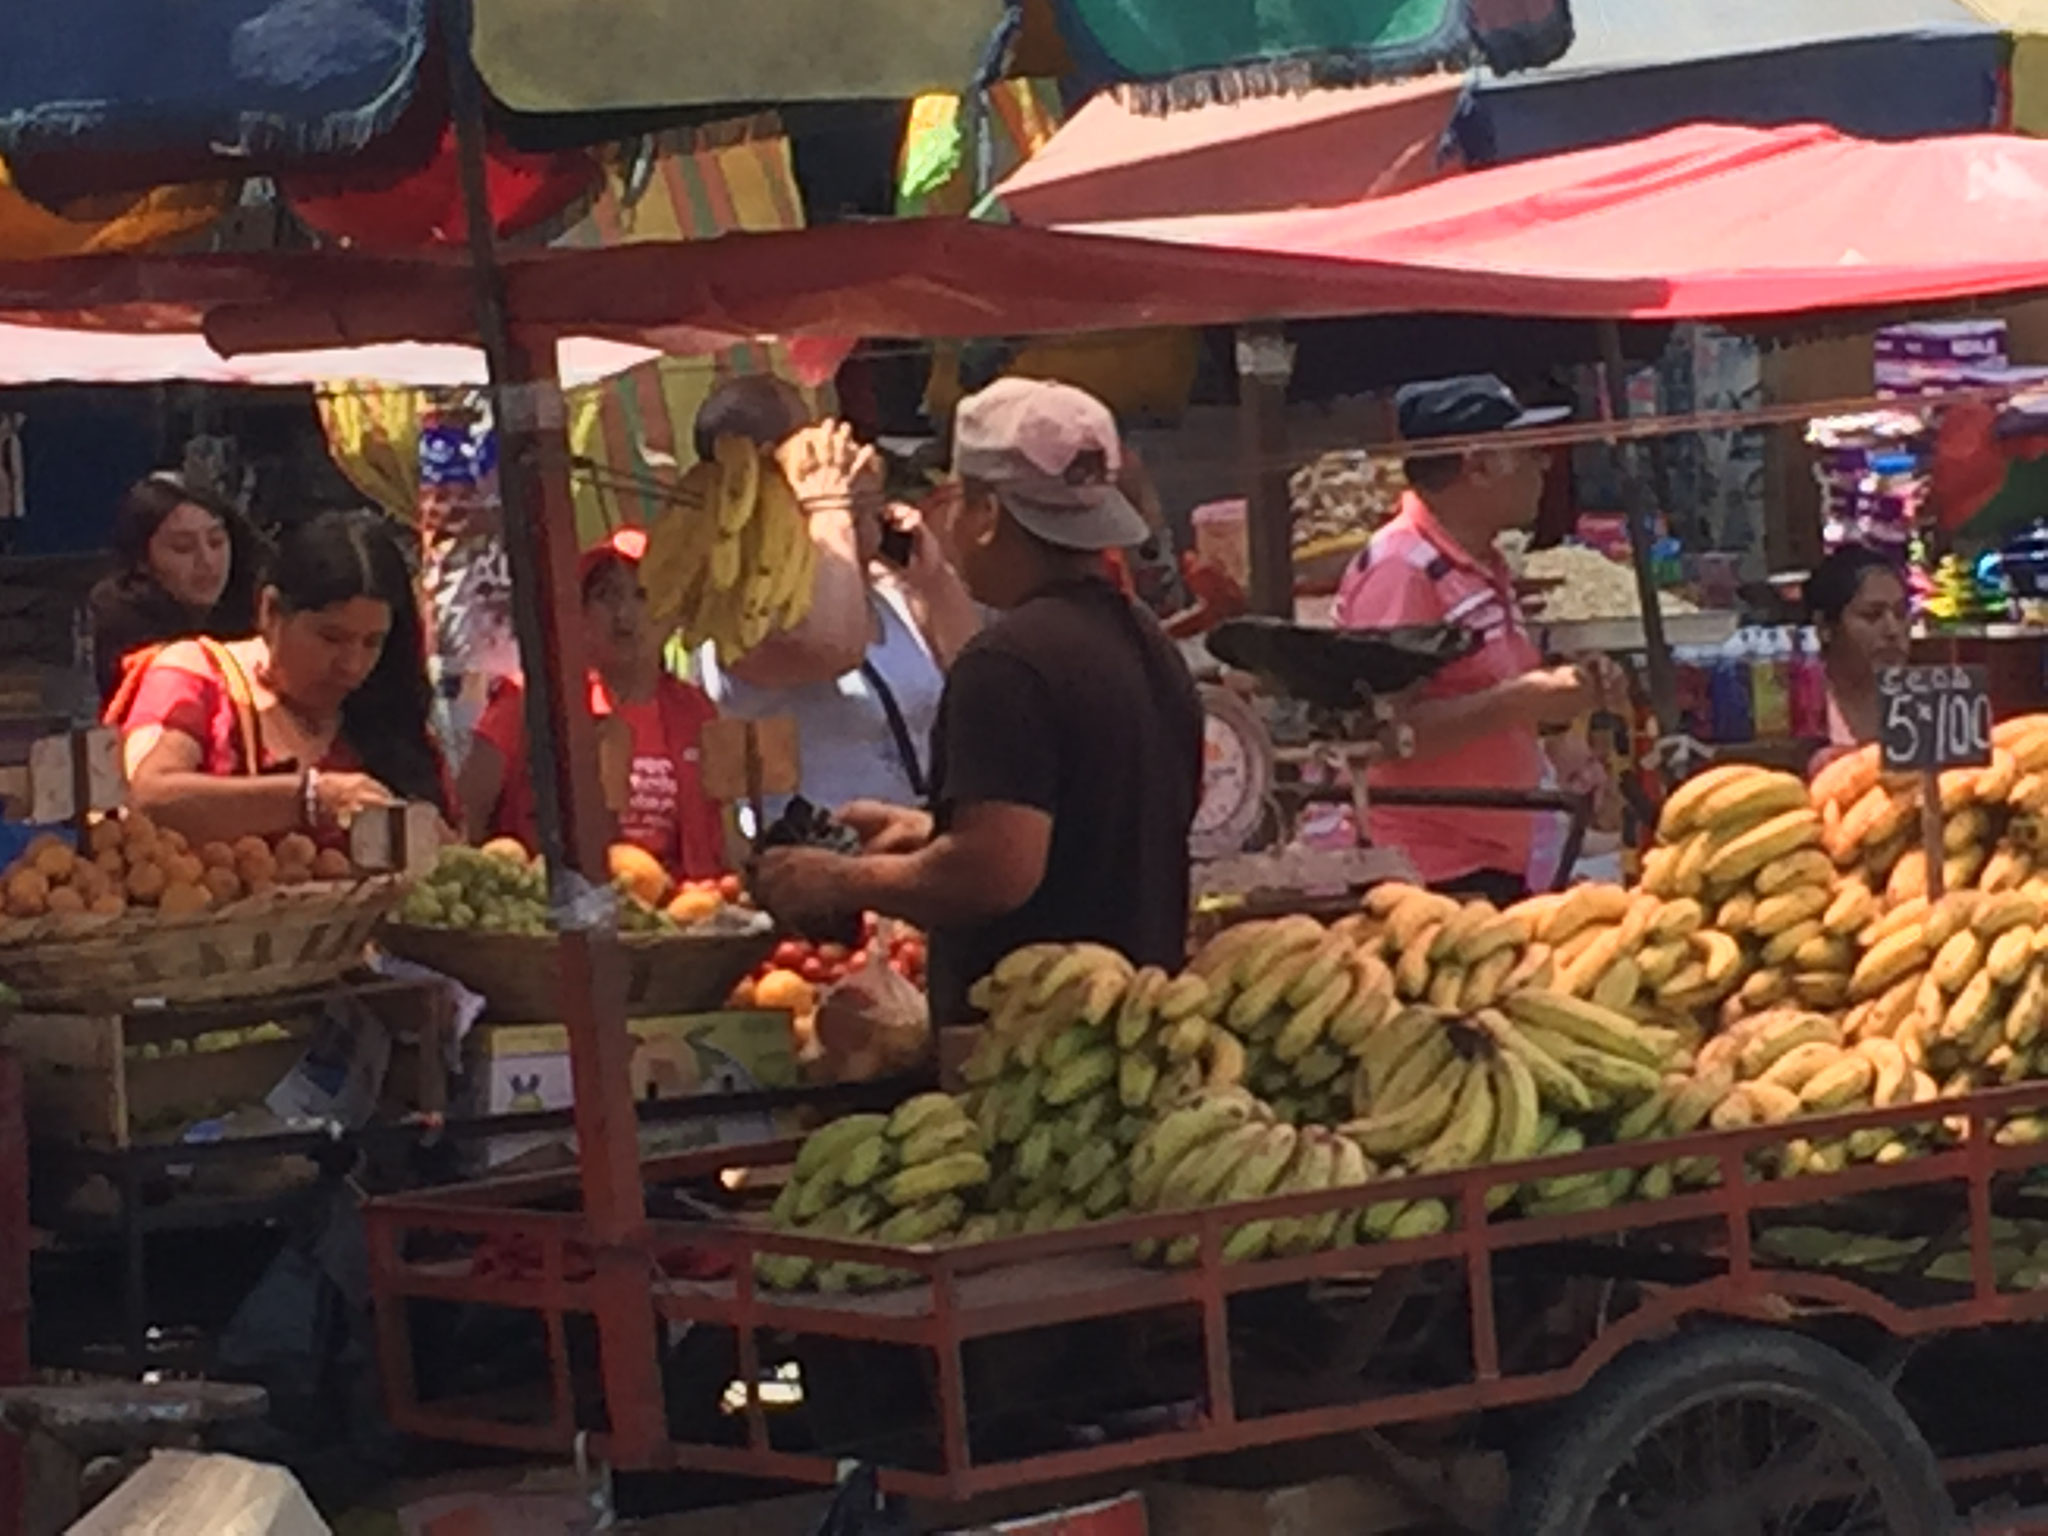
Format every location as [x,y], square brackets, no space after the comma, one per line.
[802,887]
[829,470]
[1556,695]
[885,828]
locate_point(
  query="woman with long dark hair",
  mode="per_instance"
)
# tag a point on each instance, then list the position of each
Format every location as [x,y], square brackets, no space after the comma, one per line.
[186,564]
[320,715]
[1857,599]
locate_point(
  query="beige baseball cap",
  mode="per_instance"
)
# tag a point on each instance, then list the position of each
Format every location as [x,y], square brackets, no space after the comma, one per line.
[1051,453]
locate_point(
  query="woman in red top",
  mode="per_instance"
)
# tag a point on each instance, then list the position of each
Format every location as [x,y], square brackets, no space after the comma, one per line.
[667,812]
[323,713]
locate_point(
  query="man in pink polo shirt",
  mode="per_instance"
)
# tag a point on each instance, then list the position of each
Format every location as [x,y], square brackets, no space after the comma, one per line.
[1477,721]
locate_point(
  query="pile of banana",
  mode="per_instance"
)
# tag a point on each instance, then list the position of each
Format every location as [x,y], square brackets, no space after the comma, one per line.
[900,1178]
[1223,1145]
[1747,845]
[1080,1052]
[1995,819]
[1299,1002]
[729,558]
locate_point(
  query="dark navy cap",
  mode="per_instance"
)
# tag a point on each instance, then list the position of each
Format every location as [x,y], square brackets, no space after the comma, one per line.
[1466,407]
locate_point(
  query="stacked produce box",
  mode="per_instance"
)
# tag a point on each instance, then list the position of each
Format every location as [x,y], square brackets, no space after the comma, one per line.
[1781,959]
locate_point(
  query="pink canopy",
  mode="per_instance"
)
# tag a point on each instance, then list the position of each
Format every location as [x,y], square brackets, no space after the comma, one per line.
[1700,222]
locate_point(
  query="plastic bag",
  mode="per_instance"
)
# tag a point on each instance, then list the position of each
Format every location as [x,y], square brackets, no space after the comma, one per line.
[874,1023]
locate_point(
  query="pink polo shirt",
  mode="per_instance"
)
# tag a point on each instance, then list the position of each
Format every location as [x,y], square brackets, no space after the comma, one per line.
[1414,573]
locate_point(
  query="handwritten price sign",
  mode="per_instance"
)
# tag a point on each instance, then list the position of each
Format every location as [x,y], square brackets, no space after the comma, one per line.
[1934,717]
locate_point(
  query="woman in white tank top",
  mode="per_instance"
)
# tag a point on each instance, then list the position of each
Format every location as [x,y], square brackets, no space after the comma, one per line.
[862,674]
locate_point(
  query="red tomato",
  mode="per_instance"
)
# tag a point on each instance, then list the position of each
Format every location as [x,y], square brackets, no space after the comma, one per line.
[811,968]
[832,954]
[789,954]
[731,887]
[856,960]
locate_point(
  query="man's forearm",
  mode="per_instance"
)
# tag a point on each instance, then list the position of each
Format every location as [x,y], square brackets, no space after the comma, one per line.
[1445,725]
[940,884]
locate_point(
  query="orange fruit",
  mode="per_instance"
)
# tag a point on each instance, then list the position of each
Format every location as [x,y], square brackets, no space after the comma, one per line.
[785,990]
[639,873]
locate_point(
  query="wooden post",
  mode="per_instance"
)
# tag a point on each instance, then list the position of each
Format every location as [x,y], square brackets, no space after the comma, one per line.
[1931,840]
[1636,499]
[1265,362]
[575,832]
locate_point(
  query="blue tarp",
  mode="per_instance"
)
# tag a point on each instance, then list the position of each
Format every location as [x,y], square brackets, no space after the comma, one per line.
[200,89]
[1880,69]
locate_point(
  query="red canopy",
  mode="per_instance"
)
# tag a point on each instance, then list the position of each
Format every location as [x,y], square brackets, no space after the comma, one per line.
[1704,221]
[1698,223]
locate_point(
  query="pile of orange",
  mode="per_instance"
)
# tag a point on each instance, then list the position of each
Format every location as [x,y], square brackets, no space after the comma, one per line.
[128,861]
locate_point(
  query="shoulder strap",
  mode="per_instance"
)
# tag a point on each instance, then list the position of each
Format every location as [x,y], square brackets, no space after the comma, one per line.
[906,749]
[242,698]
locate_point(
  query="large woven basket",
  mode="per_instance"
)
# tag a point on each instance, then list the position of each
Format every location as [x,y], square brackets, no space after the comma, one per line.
[288,938]
[519,976]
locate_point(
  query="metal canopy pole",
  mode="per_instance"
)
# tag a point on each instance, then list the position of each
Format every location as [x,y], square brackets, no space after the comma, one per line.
[540,536]
[1265,363]
[1635,497]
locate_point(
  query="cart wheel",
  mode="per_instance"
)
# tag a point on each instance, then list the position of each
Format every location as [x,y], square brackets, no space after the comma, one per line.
[1733,1432]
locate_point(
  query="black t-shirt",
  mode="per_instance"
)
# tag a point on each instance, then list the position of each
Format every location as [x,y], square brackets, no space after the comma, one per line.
[1078,705]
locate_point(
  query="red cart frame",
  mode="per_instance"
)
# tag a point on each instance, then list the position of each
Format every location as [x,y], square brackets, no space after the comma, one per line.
[1022,1283]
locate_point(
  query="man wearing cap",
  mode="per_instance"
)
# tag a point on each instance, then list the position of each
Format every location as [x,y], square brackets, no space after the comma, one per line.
[1477,722]
[1067,757]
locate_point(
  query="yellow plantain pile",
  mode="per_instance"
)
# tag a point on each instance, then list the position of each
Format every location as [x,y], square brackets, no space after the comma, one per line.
[1079,1053]
[1995,819]
[900,1178]
[1747,846]
[729,558]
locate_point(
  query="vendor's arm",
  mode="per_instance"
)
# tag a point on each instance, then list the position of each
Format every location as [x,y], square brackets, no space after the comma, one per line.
[1001,778]
[827,470]
[1549,696]
[498,741]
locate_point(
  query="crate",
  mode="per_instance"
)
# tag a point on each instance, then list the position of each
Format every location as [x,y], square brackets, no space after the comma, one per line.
[116,1080]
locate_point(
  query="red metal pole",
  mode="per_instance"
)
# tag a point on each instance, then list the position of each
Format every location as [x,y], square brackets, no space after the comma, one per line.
[541,543]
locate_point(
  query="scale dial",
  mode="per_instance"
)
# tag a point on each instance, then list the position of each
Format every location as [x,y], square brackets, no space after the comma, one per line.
[1237,775]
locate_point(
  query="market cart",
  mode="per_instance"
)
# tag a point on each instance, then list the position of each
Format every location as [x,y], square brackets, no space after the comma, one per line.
[1672,1299]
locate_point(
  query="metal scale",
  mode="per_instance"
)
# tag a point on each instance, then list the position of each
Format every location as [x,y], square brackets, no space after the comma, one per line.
[1320,714]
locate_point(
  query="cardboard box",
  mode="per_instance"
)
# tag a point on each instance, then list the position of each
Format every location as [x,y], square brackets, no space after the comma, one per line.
[522,1068]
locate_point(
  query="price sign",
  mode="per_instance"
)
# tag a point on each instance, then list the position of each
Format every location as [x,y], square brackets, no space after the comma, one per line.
[1934,717]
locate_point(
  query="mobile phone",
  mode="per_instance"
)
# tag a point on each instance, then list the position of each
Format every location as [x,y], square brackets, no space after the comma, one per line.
[898,545]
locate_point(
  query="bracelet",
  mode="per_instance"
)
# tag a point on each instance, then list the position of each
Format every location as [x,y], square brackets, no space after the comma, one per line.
[309,798]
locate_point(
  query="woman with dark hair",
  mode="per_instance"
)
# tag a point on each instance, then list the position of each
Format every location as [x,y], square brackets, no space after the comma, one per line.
[324,712]
[1857,600]
[186,565]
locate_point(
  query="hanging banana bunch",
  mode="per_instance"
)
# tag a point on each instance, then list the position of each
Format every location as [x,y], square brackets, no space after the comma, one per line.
[729,559]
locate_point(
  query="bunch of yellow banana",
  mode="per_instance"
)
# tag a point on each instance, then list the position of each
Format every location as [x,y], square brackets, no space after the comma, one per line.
[898,1179]
[729,558]
[1437,1092]
[1079,1053]
[1299,1002]
[1995,819]
[1223,1145]
[1961,985]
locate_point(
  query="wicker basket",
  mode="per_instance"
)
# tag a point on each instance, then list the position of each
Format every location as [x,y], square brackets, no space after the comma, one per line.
[519,977]
[289,938]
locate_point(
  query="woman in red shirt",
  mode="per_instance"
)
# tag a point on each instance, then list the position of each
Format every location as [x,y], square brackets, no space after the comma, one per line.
[322,713]
[666,812]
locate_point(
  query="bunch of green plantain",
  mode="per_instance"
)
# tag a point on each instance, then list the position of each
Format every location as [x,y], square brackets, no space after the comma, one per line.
[901,1178]
[1223,1145]
[1080,1051]
[1299,1002]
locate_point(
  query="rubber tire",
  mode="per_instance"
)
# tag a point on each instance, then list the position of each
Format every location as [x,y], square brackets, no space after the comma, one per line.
[1556,1492]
